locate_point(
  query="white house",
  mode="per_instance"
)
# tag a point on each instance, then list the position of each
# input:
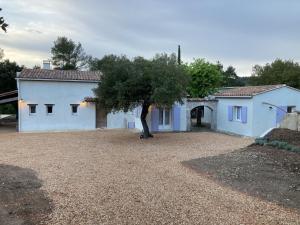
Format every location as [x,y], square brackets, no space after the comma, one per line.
[248,111]
[54,100]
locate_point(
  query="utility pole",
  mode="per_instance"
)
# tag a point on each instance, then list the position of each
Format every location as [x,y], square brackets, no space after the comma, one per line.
[179,55]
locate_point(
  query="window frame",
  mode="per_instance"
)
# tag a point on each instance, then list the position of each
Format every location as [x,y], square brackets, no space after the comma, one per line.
[47,105]
[35,109]
[163,115]
[77,106]
[237,112]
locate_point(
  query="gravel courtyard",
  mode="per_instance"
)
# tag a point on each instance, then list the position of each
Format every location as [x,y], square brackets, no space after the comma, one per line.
[112,177]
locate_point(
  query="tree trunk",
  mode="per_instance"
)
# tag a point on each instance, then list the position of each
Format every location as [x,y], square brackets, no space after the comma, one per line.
[146,132]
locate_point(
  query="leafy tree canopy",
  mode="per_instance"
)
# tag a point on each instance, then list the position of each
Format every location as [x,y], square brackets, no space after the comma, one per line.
[8,71]
[3,25]
[278,72]
[67,55]
[205,78]
[127,83]
[231,79]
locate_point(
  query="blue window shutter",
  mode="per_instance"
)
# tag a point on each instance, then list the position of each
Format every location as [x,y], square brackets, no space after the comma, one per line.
[244,114]
[176,117]
[280,113]
[230,113]
[154,118]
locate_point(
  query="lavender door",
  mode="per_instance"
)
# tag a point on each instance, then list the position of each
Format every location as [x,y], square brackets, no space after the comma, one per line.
[280,113]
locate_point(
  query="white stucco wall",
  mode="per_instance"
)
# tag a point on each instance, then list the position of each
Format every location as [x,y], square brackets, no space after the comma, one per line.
[207,115]
[121,119]
[61,94]
[264,116]
[117,120]
[237,127]
[183,112]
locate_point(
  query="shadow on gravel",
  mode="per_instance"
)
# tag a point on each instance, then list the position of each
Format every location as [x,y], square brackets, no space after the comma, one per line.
[22,202]
[260,171]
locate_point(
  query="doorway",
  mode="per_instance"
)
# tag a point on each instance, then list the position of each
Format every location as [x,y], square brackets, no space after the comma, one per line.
[164,119]
[101,117]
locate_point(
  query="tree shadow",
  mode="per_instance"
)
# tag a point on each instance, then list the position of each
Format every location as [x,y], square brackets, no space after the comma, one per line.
[22,202]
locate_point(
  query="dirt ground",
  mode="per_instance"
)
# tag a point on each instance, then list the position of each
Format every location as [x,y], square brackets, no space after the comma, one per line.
[113,177]
[260,171]
[21,199]
[285,135]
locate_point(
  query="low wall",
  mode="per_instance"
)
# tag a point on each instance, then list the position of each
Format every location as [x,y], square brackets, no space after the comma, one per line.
[291,121]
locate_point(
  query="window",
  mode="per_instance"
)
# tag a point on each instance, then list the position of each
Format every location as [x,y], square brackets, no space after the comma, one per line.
[238,113]
[164,118]
[32,109]
[161,116]
[74,108]
[291,109]
[49,109]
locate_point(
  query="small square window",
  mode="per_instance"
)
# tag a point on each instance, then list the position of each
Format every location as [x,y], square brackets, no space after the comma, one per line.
[49,109]
[74,108]
[32,109]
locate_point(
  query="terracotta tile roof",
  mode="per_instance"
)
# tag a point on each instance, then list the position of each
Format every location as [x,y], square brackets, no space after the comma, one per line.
[246,91]
[41,74]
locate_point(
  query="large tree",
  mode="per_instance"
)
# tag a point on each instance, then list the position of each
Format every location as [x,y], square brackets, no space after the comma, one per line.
[230,78]
[278,72]
[126,84]
[3,25]
[205,78]
[67,55]
[8,71]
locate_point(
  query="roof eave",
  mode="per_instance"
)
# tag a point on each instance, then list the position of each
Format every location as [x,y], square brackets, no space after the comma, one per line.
[245,96]
[57,80]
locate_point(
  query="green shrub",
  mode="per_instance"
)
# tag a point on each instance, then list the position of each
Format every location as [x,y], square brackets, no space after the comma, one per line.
[260,141]
[277,144]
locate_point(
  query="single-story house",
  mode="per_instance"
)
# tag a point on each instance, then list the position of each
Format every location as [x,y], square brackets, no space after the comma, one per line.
[254,110]
[56,100]
[248,111]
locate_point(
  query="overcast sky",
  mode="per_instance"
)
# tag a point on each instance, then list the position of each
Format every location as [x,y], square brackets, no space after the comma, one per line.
[240,33]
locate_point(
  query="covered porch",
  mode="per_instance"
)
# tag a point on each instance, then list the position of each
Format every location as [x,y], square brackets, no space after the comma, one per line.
[201,113]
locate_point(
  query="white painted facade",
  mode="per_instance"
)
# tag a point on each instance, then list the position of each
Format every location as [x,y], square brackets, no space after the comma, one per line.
[61,94]
[234,126]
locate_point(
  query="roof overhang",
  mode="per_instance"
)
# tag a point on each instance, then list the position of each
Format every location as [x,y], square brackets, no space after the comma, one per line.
[247,97]
[8,97]
[58,80]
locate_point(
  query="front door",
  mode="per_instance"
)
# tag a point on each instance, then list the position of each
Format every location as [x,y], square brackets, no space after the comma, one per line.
[101,117]
[164,119]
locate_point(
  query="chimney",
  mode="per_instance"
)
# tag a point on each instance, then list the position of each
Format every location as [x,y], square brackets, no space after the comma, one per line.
[46,64]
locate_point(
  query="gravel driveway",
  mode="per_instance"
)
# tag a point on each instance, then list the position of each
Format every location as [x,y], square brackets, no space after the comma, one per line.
[112,177]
